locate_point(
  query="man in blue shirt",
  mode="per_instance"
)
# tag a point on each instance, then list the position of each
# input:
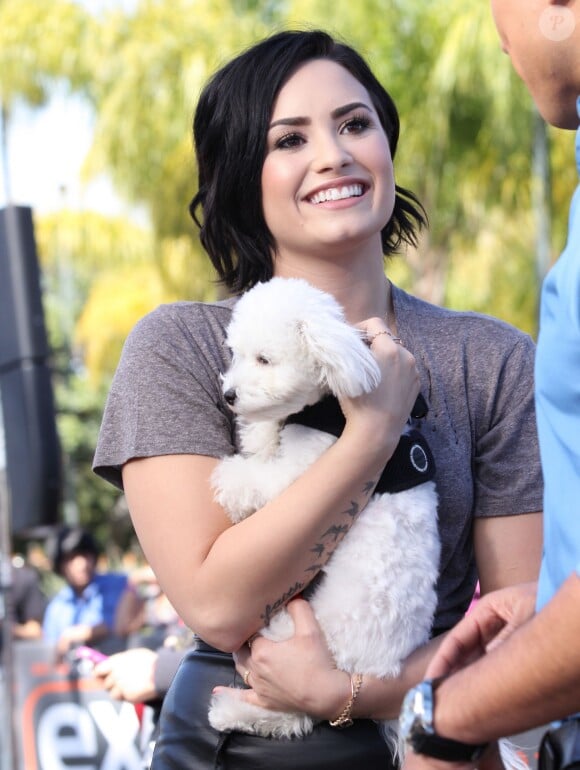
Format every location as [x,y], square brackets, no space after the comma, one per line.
[83,611]
[514,662]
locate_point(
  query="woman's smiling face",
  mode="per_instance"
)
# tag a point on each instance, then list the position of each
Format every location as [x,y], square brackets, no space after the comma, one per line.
[327,178]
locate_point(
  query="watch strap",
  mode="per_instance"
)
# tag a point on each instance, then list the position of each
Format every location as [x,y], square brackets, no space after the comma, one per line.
[446,748]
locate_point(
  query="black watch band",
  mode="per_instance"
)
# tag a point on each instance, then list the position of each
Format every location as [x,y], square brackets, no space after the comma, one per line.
[446,748]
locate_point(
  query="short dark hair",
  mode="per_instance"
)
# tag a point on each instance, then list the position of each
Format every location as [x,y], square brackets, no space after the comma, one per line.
[70,541]
[230,130]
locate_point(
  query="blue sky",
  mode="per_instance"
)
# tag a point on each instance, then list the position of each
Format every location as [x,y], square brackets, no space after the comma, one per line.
[46,149]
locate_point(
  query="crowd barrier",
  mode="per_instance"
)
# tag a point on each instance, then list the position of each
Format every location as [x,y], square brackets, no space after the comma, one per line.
[64,720]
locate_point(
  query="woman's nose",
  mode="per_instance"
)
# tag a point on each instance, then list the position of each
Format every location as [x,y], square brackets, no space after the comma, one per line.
[330,154]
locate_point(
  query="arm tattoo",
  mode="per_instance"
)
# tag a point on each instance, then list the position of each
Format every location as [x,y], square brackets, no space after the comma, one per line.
[369,486]
[353,510]
[335,533]
[271,609]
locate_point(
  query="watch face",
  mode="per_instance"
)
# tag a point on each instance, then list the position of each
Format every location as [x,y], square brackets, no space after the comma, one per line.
[417,711]
[407,716]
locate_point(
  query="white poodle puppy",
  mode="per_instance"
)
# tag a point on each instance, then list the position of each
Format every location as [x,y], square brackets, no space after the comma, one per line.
[291,346]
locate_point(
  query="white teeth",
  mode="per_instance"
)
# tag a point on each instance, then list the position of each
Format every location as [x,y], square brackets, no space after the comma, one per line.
[338,193]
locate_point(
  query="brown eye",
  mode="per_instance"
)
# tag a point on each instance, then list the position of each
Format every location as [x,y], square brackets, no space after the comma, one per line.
[261,359]
[289,141]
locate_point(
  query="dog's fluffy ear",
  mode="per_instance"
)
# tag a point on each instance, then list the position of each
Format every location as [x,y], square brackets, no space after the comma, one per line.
[346,365]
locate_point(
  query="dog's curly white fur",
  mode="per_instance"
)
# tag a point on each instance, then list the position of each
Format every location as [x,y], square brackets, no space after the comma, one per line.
[291,346]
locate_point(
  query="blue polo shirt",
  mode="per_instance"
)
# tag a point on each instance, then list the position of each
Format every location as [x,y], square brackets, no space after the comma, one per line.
[95,605]
[558,408]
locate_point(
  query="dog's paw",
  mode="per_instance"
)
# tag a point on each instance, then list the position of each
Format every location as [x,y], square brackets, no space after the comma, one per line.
[227,712]
[280,628]
[237,509]
[234,490]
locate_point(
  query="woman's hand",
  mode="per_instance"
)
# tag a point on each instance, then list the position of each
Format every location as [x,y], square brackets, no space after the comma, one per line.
[390,404]
[296,675]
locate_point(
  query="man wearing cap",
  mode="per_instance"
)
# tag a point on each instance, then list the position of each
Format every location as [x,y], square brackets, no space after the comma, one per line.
[83,611]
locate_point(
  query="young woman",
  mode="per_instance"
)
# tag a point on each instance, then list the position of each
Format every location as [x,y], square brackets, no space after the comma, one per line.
[295,140]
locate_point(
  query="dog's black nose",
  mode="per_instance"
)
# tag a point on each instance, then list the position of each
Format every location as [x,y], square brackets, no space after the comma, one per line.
[230,396]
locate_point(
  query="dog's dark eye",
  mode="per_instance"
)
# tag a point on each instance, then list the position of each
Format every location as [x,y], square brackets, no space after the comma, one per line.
[261,359]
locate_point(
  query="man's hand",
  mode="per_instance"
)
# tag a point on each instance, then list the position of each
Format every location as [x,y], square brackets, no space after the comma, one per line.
[493,619]
[79,634]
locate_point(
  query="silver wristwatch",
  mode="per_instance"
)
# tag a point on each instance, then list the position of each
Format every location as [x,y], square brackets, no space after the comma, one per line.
[417,730]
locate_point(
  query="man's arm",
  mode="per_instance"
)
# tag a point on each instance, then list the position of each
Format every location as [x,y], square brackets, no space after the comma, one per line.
[529,679]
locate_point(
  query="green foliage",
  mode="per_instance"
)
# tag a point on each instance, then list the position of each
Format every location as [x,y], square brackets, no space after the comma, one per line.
[495,271]
[79,411]
[151,67]
[100,275]
[39,45]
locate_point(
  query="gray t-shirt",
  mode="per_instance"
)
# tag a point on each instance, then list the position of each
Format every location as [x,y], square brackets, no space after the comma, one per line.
[476,375]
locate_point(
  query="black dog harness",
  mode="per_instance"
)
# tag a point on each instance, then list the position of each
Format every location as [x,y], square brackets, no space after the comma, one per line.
[412,462]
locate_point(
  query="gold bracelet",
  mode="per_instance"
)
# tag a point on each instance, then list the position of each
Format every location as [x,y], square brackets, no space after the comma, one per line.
[344,719]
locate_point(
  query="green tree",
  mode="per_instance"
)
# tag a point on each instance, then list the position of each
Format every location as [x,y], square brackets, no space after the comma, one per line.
[151,67]
[100,275]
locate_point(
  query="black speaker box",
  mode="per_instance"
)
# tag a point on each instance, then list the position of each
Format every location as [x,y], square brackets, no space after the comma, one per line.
[32,449]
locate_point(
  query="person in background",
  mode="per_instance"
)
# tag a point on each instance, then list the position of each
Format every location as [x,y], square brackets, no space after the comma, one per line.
[27,599]
[514,663]
[144,614]
[141,675]
[83,611]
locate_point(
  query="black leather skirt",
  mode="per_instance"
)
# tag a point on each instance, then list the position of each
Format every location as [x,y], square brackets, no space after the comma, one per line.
[186,741]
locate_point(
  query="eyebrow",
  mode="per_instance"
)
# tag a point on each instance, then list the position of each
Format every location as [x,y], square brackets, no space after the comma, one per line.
[337,113]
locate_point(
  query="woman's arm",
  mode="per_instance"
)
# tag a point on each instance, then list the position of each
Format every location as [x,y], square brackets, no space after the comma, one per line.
[508,549]
[226,581]
[300,673]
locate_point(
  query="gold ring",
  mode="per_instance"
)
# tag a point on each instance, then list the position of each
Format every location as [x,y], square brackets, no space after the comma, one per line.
[373,337]
[246,677]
